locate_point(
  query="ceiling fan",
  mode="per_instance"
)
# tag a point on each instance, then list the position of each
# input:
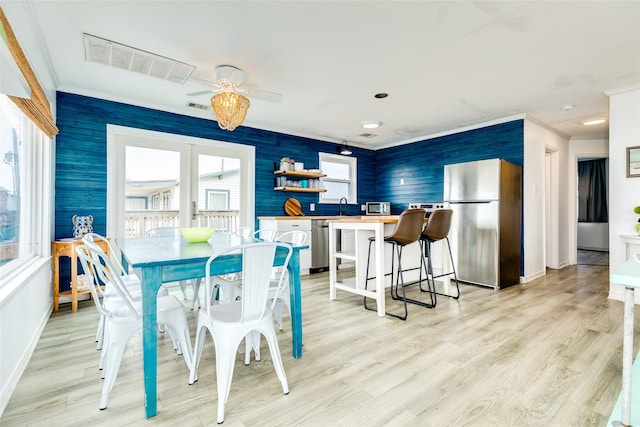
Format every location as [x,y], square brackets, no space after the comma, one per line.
[232,79]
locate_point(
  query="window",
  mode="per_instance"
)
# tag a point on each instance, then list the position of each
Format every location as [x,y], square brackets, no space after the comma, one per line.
[166,200]
[22,148]
[341,176]
[217,200]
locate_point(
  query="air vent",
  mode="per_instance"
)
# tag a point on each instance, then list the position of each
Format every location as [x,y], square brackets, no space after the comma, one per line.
[368,135]
[117,55]
[198,106]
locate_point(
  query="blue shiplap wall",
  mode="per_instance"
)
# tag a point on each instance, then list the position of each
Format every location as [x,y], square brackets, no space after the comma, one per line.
[421,164]
[81,150]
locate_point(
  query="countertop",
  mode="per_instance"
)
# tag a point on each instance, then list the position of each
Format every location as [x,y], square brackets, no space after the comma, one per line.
[342,218]
[311,217]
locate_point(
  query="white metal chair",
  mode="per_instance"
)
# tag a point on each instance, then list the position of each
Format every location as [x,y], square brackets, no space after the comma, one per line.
[229,283]
[230,323]
[125,318]
[195,283]
[131,281]
[279,293]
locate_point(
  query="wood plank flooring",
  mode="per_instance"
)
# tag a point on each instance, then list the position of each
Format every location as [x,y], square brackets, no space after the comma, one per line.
[545,353]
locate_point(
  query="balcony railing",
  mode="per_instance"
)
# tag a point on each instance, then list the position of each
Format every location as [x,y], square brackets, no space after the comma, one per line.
[138,223]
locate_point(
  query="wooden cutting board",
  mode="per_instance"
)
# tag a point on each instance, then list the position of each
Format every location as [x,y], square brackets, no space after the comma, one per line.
[293,207]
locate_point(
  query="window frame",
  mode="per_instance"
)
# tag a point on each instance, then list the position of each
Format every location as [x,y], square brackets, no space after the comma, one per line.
[35,200]
[352,162]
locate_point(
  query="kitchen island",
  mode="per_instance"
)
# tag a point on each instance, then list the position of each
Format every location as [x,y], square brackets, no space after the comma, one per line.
[363,228]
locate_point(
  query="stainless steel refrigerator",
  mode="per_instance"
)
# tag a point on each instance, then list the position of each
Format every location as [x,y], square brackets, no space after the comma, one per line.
[485,235]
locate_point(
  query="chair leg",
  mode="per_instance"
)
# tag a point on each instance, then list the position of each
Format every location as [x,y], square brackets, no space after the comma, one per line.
[367,278]
[117,339]
[274,349]
[197,353]
[179,331]
[195,284]
[432,304]
[226,348]
[455,276]
[183,288]
[251,342]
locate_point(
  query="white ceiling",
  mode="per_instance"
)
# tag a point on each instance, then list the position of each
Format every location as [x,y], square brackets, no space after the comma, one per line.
[445,64]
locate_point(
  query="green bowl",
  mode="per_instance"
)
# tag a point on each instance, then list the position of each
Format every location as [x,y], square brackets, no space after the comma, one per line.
[196,234]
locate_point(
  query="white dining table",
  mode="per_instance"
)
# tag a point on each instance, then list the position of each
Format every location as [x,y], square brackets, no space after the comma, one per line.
[169,259]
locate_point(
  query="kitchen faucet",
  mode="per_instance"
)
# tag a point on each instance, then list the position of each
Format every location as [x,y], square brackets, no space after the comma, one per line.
[340,212]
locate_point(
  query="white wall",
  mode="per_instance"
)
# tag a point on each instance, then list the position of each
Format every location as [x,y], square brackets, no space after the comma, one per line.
[579,149]
[538,140]
[624,193]
[26,301]
[593,236]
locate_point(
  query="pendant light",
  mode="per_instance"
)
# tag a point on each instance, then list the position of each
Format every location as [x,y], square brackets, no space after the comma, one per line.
[343,149]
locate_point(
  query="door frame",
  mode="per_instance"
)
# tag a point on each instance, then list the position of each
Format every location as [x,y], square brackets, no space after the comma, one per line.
[119,136]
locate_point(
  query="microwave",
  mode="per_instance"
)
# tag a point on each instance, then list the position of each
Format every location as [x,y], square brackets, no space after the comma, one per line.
[378,208]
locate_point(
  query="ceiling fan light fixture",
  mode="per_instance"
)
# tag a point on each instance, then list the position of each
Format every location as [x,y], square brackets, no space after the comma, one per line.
[230,109]
[344,149]
[370,124]
[592,122]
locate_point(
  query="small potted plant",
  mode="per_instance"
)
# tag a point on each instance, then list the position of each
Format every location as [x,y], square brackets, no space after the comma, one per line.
[636,210]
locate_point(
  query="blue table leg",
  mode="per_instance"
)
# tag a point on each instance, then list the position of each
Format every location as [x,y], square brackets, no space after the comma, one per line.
[296,303]
[151,279]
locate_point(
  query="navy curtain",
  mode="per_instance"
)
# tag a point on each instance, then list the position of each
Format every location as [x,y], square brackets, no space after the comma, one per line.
[592,191]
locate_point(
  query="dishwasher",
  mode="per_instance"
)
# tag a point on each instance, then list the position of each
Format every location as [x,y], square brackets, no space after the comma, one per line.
[320,245]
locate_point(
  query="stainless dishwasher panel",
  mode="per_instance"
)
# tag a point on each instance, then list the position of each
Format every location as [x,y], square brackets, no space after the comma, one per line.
[319,244]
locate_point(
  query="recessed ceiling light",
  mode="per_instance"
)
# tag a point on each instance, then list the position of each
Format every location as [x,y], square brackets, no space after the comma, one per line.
[592,122]
[567,107]
[380,95]
[370,124]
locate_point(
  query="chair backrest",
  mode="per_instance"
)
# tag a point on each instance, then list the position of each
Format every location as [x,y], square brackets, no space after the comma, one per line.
[438,226]
[257,264]
[91,239]
[295,237]
[243,232]
[266,235]
[163,232]
[409,226]
[96,266]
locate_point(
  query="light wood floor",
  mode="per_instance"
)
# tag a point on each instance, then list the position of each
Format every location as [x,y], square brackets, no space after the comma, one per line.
[546,353]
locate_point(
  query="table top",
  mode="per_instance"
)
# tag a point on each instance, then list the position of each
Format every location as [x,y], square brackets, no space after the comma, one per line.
[628,274]
[162,251]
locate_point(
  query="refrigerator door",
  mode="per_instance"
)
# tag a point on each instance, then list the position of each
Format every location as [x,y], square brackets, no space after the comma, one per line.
[475,242]
[472,181]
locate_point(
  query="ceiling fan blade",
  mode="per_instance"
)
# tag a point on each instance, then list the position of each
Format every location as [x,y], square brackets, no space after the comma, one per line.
[202,92]
[260,94]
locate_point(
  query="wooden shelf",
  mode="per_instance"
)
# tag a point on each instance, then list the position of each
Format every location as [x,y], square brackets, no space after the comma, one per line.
[300,174]
[300,189]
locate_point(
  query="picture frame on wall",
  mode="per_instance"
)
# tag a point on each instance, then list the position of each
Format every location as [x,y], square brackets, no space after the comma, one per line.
[633,162]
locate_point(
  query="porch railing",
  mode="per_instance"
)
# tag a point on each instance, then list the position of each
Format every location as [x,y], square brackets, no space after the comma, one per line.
[137,223]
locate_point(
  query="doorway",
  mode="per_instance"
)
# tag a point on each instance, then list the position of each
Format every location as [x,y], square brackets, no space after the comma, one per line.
[592,237]
[164,180]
